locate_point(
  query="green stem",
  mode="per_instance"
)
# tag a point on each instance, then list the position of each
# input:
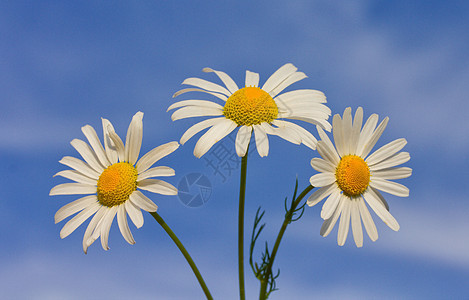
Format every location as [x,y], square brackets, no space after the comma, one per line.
[184,252]
[288,218]
[242,193]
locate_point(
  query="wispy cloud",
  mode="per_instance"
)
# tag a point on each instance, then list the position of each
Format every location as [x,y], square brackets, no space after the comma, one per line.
[421,86]
[434,236]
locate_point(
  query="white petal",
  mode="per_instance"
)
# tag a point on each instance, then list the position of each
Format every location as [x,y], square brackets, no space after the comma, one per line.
[344,223]
[206,85]
[297,76]
[305,107]
[322,165]
[366,133]
[380,210]
[196,103]
[356,127]
[306,96]
[218,95]
[267,128]
[106,226]
[320,194]
[393,173]
[155,172]
[76,221]
[327,226]
[380,197]
[318,112]
[120,148]
[195,111]
[252,79]
[135,214]
[141,201]
[356,224]
[72,189]
[395,160]
[325,153]
[133,141]
[328,147]
[337,132]
[74,207]
[80,166]
[330,205]
[386,151]
[88,154]
[278,76]
[227,80]
[242,140]
[262,142]
[347,130]
[123,225]
[306,137]
[154,155]
[314,102]
[367,220]
[194,129]
[91,227]
[96,231]
[375,137]
[390,187]
[285,133]
[93,139]
[322,179]
[76,176]
[157,186]
[109,145]
[212,136]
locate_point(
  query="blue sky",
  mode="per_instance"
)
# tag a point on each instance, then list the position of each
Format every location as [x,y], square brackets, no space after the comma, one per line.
[64,65]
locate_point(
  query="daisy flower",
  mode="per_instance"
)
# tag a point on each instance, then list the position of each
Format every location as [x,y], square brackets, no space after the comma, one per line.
[113,177]
[350,177]
[252,109]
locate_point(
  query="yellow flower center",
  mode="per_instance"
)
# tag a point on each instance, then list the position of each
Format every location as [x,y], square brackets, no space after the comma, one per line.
[249,106]
[116,183]
[352,175]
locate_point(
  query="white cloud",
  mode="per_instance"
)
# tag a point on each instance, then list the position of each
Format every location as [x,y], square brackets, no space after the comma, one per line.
[422,88]
[427,233]
[439,236]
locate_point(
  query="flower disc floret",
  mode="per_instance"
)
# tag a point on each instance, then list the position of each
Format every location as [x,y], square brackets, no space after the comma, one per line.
[250,106]
[352,175]
[116,184]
